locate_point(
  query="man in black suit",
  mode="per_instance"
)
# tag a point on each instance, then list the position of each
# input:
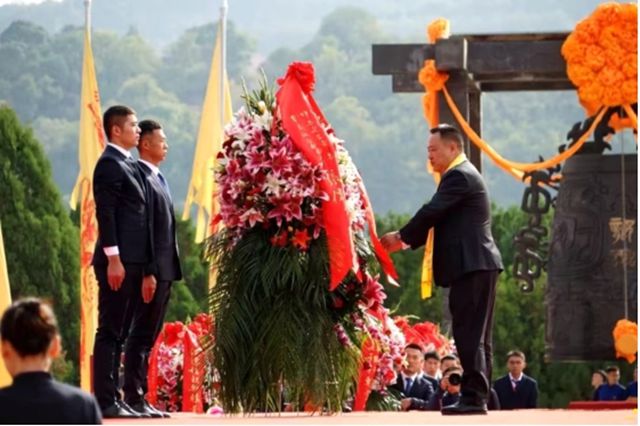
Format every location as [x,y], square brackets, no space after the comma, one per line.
[30,341]
[122,257]
[431,368]
[465,258]
[411,382]
[151,303]
[516,389]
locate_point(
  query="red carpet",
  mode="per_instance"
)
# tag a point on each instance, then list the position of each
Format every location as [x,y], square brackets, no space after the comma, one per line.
[602,405]
[585,417]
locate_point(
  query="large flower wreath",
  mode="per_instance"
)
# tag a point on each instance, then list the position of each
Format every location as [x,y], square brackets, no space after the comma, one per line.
[284,332]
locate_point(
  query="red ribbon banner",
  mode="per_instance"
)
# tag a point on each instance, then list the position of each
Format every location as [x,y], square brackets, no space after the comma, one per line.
[309,136]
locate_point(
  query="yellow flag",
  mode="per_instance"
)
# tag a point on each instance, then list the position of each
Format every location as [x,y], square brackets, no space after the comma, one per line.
[91,143]
[201,186]
[5,301]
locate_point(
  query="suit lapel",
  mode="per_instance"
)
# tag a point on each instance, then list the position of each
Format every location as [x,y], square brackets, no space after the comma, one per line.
[157,185]
[138,177]
[132,168]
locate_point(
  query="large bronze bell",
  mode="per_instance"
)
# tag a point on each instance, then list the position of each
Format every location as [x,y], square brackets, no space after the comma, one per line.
[592,248]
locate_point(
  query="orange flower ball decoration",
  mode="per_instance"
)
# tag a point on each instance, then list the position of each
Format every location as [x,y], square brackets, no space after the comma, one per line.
[625,338]
[602,56]
[438,28]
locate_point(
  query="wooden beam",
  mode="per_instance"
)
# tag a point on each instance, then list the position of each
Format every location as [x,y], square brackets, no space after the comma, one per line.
[475,121]
[408,83]
[513,57]
[467,100]
[511,86]
[528,58]
[400,58]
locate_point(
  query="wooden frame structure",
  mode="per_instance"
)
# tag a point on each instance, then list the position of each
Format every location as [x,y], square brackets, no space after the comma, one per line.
[476,64]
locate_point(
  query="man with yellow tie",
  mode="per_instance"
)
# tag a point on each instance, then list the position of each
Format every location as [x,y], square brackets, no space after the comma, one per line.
[460,254]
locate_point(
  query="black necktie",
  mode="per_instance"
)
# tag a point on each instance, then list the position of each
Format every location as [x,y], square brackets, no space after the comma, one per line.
[408,382]
[164,183]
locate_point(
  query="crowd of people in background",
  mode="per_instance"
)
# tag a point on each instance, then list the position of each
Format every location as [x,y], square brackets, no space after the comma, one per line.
[606,385]
[438,384]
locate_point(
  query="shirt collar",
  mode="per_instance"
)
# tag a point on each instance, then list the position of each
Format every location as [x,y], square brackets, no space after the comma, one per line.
[32,376]
[513,379]
[123,151]
[413,378]
[461,158]
[154,169]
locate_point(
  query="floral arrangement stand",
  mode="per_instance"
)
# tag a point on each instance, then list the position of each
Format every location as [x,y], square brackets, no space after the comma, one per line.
[297,291]
[180,376]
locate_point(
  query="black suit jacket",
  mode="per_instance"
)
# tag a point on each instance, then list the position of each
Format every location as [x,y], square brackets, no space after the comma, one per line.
[460,214]
[420,392]
[121,209]
[164,242]
[524,396]
[435,383]
[35,398]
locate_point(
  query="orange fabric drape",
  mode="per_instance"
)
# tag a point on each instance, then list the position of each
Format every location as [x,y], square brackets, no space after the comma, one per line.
[429,77]
[509,165]
[433,82]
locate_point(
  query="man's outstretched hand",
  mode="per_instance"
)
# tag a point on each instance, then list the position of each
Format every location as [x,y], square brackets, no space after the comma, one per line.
[391,241]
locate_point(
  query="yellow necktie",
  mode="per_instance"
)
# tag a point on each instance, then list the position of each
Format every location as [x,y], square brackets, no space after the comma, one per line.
[426,282]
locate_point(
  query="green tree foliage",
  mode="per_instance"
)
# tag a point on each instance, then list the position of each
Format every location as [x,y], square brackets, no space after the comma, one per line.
[41,244]
[40,78]
[120,58]
[189,296]
[55,136]
[187,61]
[353,30]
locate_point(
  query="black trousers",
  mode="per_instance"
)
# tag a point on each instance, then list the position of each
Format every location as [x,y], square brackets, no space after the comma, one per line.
[113,325]
[145,328]
[471,301]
